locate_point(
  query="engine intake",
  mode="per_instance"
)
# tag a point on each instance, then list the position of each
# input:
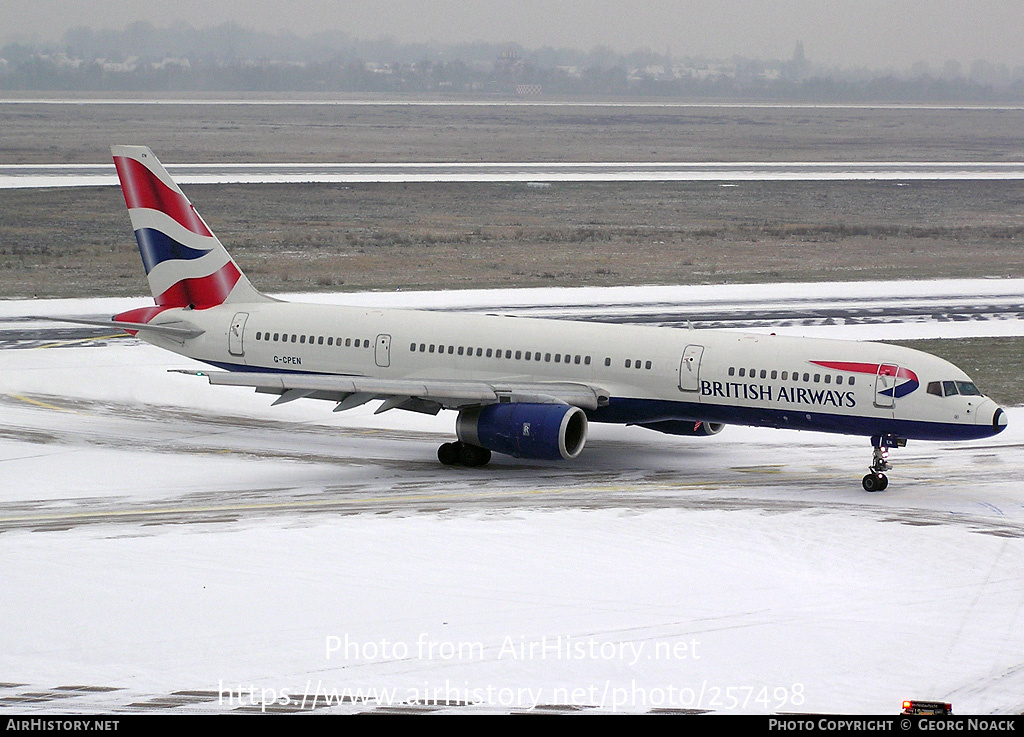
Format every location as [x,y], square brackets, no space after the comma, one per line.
[523,430]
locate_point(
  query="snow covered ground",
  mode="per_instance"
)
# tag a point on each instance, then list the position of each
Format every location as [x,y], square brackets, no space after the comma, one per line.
[87,175]
[166,545]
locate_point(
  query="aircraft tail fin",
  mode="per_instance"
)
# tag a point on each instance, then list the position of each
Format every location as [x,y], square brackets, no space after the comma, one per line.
[185,262]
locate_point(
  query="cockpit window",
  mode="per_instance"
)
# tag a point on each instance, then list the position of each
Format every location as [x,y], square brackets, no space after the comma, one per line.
[953,388]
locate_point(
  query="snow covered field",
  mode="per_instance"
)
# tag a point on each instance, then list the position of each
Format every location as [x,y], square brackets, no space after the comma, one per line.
[88,175]
[193,549]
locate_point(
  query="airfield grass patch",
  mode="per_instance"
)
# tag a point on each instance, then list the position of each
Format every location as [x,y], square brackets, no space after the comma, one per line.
[78,242]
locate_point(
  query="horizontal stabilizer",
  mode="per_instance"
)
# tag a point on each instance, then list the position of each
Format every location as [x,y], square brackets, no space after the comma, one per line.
[179,330]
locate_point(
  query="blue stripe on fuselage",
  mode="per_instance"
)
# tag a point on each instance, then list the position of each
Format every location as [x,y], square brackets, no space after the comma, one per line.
[637,411]
[626,411]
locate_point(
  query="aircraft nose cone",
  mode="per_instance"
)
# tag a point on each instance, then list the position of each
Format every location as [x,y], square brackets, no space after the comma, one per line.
[999,420]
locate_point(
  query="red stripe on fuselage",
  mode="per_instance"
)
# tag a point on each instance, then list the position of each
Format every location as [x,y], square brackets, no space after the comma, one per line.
[204,291]
[851,366]
[142,188]
[867,368]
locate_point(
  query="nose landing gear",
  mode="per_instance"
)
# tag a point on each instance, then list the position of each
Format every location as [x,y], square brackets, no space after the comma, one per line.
[877,480]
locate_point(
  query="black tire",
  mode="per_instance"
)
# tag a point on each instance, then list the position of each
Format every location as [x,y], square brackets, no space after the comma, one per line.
[874,482]
[473,455]
[885,483]
[448,454]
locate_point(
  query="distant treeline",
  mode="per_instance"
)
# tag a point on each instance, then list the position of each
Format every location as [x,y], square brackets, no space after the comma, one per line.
[229,58]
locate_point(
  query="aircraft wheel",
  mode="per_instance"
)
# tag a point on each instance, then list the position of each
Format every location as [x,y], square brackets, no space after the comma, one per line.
[448,454]
[472,455]
[885,482]
[875,482]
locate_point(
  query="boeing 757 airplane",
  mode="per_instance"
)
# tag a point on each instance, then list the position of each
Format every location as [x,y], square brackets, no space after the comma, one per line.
[524,387]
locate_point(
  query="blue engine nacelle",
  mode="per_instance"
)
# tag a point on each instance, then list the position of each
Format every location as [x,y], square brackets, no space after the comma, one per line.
[685,427]
[542,431]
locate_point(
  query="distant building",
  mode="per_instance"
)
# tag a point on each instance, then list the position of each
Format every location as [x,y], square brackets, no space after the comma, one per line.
[524,90]
[169,62]
[128,65]
[798,68]
[62,60]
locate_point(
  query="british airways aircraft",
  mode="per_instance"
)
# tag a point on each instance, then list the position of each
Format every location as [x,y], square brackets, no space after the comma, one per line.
[523,387]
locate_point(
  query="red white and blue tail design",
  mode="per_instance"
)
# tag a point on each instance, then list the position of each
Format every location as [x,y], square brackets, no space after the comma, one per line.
[185,263]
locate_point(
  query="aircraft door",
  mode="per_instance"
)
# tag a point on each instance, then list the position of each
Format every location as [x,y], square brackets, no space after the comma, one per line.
[689,368]
[885,386]
[235,334]
[382,354]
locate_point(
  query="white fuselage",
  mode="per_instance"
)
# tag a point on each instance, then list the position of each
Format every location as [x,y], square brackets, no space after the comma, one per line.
[651,374]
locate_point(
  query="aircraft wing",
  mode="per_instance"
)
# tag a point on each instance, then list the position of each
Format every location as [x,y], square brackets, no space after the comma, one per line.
[418,395]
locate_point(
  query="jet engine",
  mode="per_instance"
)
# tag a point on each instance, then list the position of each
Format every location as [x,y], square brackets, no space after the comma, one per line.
[525,430]
[685,427]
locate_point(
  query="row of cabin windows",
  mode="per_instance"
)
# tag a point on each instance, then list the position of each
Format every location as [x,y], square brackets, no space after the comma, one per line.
[519,355]
[453,350]
[312,340]
[501,353]
[785,376]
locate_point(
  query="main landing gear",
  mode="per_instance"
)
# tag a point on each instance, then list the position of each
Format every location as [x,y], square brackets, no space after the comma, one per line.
[876,480]
[463,454]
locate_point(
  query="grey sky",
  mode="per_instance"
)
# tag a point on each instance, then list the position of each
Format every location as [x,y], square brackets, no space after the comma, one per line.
[871,33]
